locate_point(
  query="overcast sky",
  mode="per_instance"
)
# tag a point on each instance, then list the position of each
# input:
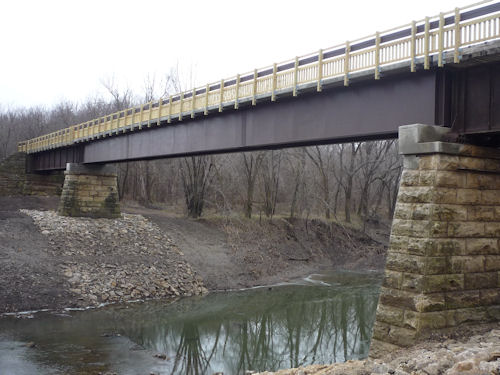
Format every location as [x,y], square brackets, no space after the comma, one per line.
[55,50]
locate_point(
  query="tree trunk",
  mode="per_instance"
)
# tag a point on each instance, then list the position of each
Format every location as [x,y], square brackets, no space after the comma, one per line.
[251,164]
[196,176]
[348,196]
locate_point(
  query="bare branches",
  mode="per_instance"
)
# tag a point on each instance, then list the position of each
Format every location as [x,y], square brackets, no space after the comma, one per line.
[252,163]
[196,174]
[122,98]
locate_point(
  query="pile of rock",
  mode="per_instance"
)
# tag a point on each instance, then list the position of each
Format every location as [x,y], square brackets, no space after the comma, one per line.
[478,355]
[116,260]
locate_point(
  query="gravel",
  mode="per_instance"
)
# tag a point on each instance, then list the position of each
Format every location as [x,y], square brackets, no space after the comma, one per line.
[115,260]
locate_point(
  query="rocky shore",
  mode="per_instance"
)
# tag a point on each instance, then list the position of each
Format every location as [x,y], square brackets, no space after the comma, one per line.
[478,355]
[115,260]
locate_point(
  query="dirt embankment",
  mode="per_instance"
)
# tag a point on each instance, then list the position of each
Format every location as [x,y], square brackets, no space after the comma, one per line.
[29,278]
[238,253]
[53,262]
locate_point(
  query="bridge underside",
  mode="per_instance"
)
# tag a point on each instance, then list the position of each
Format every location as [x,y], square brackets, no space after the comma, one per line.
[463,97]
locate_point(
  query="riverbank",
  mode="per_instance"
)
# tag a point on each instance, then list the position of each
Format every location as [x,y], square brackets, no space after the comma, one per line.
[52,262]
[234,253]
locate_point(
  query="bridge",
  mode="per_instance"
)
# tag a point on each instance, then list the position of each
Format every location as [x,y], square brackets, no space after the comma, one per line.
[443,264]
[439,71]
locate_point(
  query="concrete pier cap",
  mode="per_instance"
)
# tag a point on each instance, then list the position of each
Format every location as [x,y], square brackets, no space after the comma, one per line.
[91,169]
[90,191]
[443,260]
[421,139]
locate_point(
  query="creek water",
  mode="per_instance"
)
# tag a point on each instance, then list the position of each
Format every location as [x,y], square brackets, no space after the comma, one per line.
[321,319]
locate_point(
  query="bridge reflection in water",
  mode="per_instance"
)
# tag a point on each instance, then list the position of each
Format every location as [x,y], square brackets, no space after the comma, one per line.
[259,329]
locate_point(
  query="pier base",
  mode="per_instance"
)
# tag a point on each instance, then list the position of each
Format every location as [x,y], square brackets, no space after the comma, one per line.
[443,262]
[90,191]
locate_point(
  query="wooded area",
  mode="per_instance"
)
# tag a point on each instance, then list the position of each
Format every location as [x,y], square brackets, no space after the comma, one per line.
[337,181]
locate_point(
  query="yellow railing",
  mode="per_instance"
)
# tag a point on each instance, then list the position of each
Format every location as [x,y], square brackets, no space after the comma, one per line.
[415,42]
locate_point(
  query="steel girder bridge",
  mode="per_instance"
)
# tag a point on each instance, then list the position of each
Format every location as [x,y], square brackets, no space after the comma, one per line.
[443,70]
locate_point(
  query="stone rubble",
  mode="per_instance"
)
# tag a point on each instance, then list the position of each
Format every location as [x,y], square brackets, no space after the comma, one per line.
[116,260]
[480,355]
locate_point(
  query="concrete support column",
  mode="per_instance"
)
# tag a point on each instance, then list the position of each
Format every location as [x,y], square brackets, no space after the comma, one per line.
[90,191]
[443,262]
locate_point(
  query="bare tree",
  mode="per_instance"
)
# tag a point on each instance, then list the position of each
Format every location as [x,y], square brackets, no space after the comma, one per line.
[122,99]
[251,166]
[297,162]
[270,177]
[322,161]
[196,174]
[347,168]
[7,121]
[372,156]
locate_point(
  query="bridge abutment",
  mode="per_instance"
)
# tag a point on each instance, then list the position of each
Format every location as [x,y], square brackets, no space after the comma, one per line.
[90,191]
[443,262]
[15,180]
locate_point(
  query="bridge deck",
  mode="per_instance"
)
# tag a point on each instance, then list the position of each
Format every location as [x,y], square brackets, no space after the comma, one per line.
[433,40]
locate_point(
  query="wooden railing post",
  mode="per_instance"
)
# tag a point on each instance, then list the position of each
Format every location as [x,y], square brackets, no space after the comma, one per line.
[441,40]
[273,93]
[377,55]
[141,113]
[237,92]
[193,96]
[458,37]
[133,119]
[295,68]
[320,70]
[221,91]
[150,106]
[118,122]
[180,105]
[413,46]
[160,105]
[254,89]
[346,63]
[426,44]
[169,119]
[207,91]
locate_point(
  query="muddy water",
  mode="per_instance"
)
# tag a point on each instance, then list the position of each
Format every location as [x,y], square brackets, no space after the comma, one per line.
[321,319]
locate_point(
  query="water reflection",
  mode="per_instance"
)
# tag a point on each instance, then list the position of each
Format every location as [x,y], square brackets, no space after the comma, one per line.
[324,320]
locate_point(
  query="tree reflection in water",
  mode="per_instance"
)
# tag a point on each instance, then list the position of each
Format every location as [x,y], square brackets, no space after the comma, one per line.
[260,329]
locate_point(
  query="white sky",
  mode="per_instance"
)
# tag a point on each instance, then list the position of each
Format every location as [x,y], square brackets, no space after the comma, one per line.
[61,49]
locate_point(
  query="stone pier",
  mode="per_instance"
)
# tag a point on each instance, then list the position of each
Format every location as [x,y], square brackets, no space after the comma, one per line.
[443,262]
[90,191]
[14,180]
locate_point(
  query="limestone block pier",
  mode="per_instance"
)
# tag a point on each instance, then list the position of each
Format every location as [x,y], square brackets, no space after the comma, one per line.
[443,262]
[90,191]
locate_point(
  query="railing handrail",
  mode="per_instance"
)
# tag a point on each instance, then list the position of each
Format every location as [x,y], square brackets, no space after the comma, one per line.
[369,48]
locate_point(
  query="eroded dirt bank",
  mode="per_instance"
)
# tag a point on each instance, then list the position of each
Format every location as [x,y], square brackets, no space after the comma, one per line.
[29,278]
[49,261]
[238,253]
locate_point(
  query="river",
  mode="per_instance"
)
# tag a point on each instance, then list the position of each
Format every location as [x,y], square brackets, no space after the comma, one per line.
[321,319]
